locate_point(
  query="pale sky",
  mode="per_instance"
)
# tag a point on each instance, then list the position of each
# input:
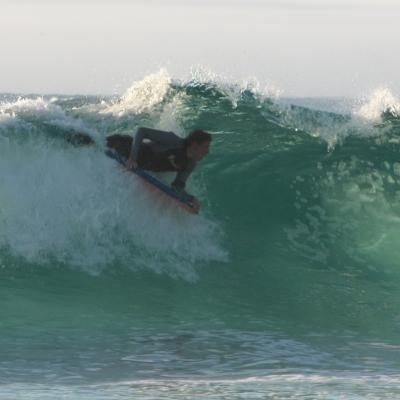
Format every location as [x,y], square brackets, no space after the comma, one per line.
[302,47]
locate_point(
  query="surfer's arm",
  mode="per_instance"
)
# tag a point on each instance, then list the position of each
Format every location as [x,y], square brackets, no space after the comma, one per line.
[154,135]
[181,177]
[179,185]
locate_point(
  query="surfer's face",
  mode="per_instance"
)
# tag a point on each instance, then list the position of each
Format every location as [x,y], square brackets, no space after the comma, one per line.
[199,150]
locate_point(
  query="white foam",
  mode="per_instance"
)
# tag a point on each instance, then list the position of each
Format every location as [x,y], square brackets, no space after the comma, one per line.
[380,101]
[355,378]
[76,206]
[153,88]
[142,95]
[169,118]
[24,111]
[231,87]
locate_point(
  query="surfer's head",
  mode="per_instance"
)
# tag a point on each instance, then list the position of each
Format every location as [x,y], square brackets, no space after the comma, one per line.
[198,144]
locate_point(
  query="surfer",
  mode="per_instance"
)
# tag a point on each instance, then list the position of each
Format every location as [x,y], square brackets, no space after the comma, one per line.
[162,152]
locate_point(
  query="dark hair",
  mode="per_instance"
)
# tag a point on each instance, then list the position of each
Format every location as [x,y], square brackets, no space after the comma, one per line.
[198,136]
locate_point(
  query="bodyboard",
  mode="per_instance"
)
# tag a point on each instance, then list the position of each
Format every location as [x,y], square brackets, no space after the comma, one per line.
[181,199]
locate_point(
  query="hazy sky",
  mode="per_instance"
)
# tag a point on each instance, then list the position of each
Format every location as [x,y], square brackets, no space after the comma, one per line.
[303,47]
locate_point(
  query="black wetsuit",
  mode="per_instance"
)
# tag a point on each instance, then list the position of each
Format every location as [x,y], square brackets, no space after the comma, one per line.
[164,151]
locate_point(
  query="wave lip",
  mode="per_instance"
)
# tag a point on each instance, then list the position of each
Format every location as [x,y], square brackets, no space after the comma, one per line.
[142,95]
[380,102]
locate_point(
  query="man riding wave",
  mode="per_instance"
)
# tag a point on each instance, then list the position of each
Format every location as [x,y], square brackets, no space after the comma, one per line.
[161,151]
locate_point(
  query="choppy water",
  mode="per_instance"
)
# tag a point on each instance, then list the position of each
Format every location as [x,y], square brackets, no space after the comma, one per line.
[285,286]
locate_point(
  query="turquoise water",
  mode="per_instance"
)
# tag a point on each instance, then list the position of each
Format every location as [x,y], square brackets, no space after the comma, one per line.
[285,286]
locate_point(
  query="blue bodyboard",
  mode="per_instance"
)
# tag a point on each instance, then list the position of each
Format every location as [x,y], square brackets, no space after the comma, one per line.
[182,199]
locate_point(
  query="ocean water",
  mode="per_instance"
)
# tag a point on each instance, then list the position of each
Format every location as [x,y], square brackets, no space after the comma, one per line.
[285,286]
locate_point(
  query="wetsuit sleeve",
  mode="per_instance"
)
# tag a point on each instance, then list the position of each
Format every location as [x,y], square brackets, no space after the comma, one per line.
[151,134]
[180,180]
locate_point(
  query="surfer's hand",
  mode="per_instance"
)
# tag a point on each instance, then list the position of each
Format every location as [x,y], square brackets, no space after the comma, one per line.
[131,163]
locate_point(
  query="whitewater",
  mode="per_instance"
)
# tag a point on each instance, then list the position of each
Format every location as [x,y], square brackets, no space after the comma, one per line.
[285,286]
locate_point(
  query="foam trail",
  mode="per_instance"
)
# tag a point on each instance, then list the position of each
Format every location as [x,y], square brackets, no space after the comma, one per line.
[83,210]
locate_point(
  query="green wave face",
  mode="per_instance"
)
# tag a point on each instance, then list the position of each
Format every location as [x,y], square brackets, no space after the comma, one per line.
[294,258]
